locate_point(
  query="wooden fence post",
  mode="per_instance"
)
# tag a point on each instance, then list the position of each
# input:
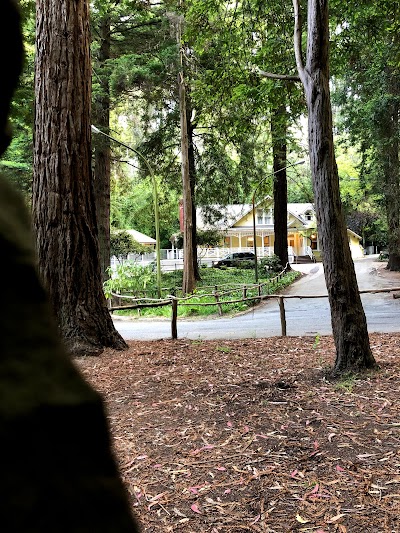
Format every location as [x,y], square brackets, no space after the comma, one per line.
[259,289]
[174,329]
[244,292]
[217,300]
[283,316]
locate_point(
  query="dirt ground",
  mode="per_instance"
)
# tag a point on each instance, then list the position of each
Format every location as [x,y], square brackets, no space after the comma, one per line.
[235,436]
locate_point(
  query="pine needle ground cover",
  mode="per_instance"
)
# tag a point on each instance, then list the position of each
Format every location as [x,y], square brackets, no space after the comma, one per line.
[252,435]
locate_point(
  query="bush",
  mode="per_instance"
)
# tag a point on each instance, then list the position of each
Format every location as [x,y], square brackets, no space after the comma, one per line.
[271,264]
[244,264]
[129,278]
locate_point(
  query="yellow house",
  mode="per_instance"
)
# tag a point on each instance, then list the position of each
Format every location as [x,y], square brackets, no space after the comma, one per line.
[236,224]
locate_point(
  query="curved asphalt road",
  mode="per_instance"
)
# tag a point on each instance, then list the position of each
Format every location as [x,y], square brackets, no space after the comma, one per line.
[303,316]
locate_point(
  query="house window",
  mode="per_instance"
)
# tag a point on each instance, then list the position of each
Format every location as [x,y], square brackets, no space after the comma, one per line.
[308,215]
[266,240]
[265,217]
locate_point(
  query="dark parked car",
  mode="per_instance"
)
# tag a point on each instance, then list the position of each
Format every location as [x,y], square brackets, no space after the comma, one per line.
[234,259]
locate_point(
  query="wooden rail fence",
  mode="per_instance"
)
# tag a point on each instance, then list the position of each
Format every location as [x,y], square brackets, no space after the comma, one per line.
[173,301]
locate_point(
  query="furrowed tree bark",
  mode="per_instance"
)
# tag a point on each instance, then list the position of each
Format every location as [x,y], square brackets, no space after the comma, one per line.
[279,153]
[353,352]
[102,149]
[63,199]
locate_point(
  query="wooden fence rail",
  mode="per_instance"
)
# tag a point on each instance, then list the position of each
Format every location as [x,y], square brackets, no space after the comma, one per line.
[173,302]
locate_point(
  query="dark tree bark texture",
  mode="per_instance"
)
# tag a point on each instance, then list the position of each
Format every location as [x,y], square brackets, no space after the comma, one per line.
[63,196]
[192,178]
[102,150]
[57,469]
[349,325]
[279,134]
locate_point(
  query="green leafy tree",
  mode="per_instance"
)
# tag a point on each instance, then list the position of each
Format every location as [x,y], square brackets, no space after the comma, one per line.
[368,95]
[122,244]
[118,28]
[16,162]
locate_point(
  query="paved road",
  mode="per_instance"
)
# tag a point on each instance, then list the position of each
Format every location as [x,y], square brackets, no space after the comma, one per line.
[303,316]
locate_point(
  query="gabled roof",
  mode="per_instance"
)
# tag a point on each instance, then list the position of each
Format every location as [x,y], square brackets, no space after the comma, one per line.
[140,237]
[222,217]
[300,209]
[229,215]
[356,235]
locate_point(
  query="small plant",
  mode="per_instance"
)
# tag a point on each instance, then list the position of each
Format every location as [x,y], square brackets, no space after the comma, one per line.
[346,382]
[224,349]
[316,341]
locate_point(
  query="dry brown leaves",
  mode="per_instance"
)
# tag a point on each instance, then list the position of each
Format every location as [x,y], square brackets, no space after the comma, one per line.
[236,436]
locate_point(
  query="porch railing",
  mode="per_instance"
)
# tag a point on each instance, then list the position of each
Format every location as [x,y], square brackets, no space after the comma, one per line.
[205,255]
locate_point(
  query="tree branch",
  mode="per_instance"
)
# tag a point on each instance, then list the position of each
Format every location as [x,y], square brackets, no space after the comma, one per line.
[272,76]
[297,43]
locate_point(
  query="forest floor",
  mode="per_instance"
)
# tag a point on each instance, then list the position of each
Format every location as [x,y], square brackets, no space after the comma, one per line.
[253,435]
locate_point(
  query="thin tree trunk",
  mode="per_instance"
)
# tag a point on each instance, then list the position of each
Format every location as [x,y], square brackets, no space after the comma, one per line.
[102,150]
[279,152]
[189,281]
[391,171]
[63,200]
[349,325]
[192,175]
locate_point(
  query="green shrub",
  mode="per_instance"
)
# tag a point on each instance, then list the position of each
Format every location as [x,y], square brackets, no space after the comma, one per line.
[246,265]
[271,264]
[128,278]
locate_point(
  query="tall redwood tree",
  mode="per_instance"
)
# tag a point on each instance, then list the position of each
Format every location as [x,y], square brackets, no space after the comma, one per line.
[349,324]
[64,211]
[279,154]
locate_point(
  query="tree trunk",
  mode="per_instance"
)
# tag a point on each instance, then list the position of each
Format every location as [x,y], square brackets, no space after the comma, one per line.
[279,149]
[63,201]
[391,172]
[189,280]
[102,151]
[192,177]
[391,168]
[349,325]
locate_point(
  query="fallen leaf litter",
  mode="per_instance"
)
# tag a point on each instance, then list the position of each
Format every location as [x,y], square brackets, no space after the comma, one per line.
[251,435]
